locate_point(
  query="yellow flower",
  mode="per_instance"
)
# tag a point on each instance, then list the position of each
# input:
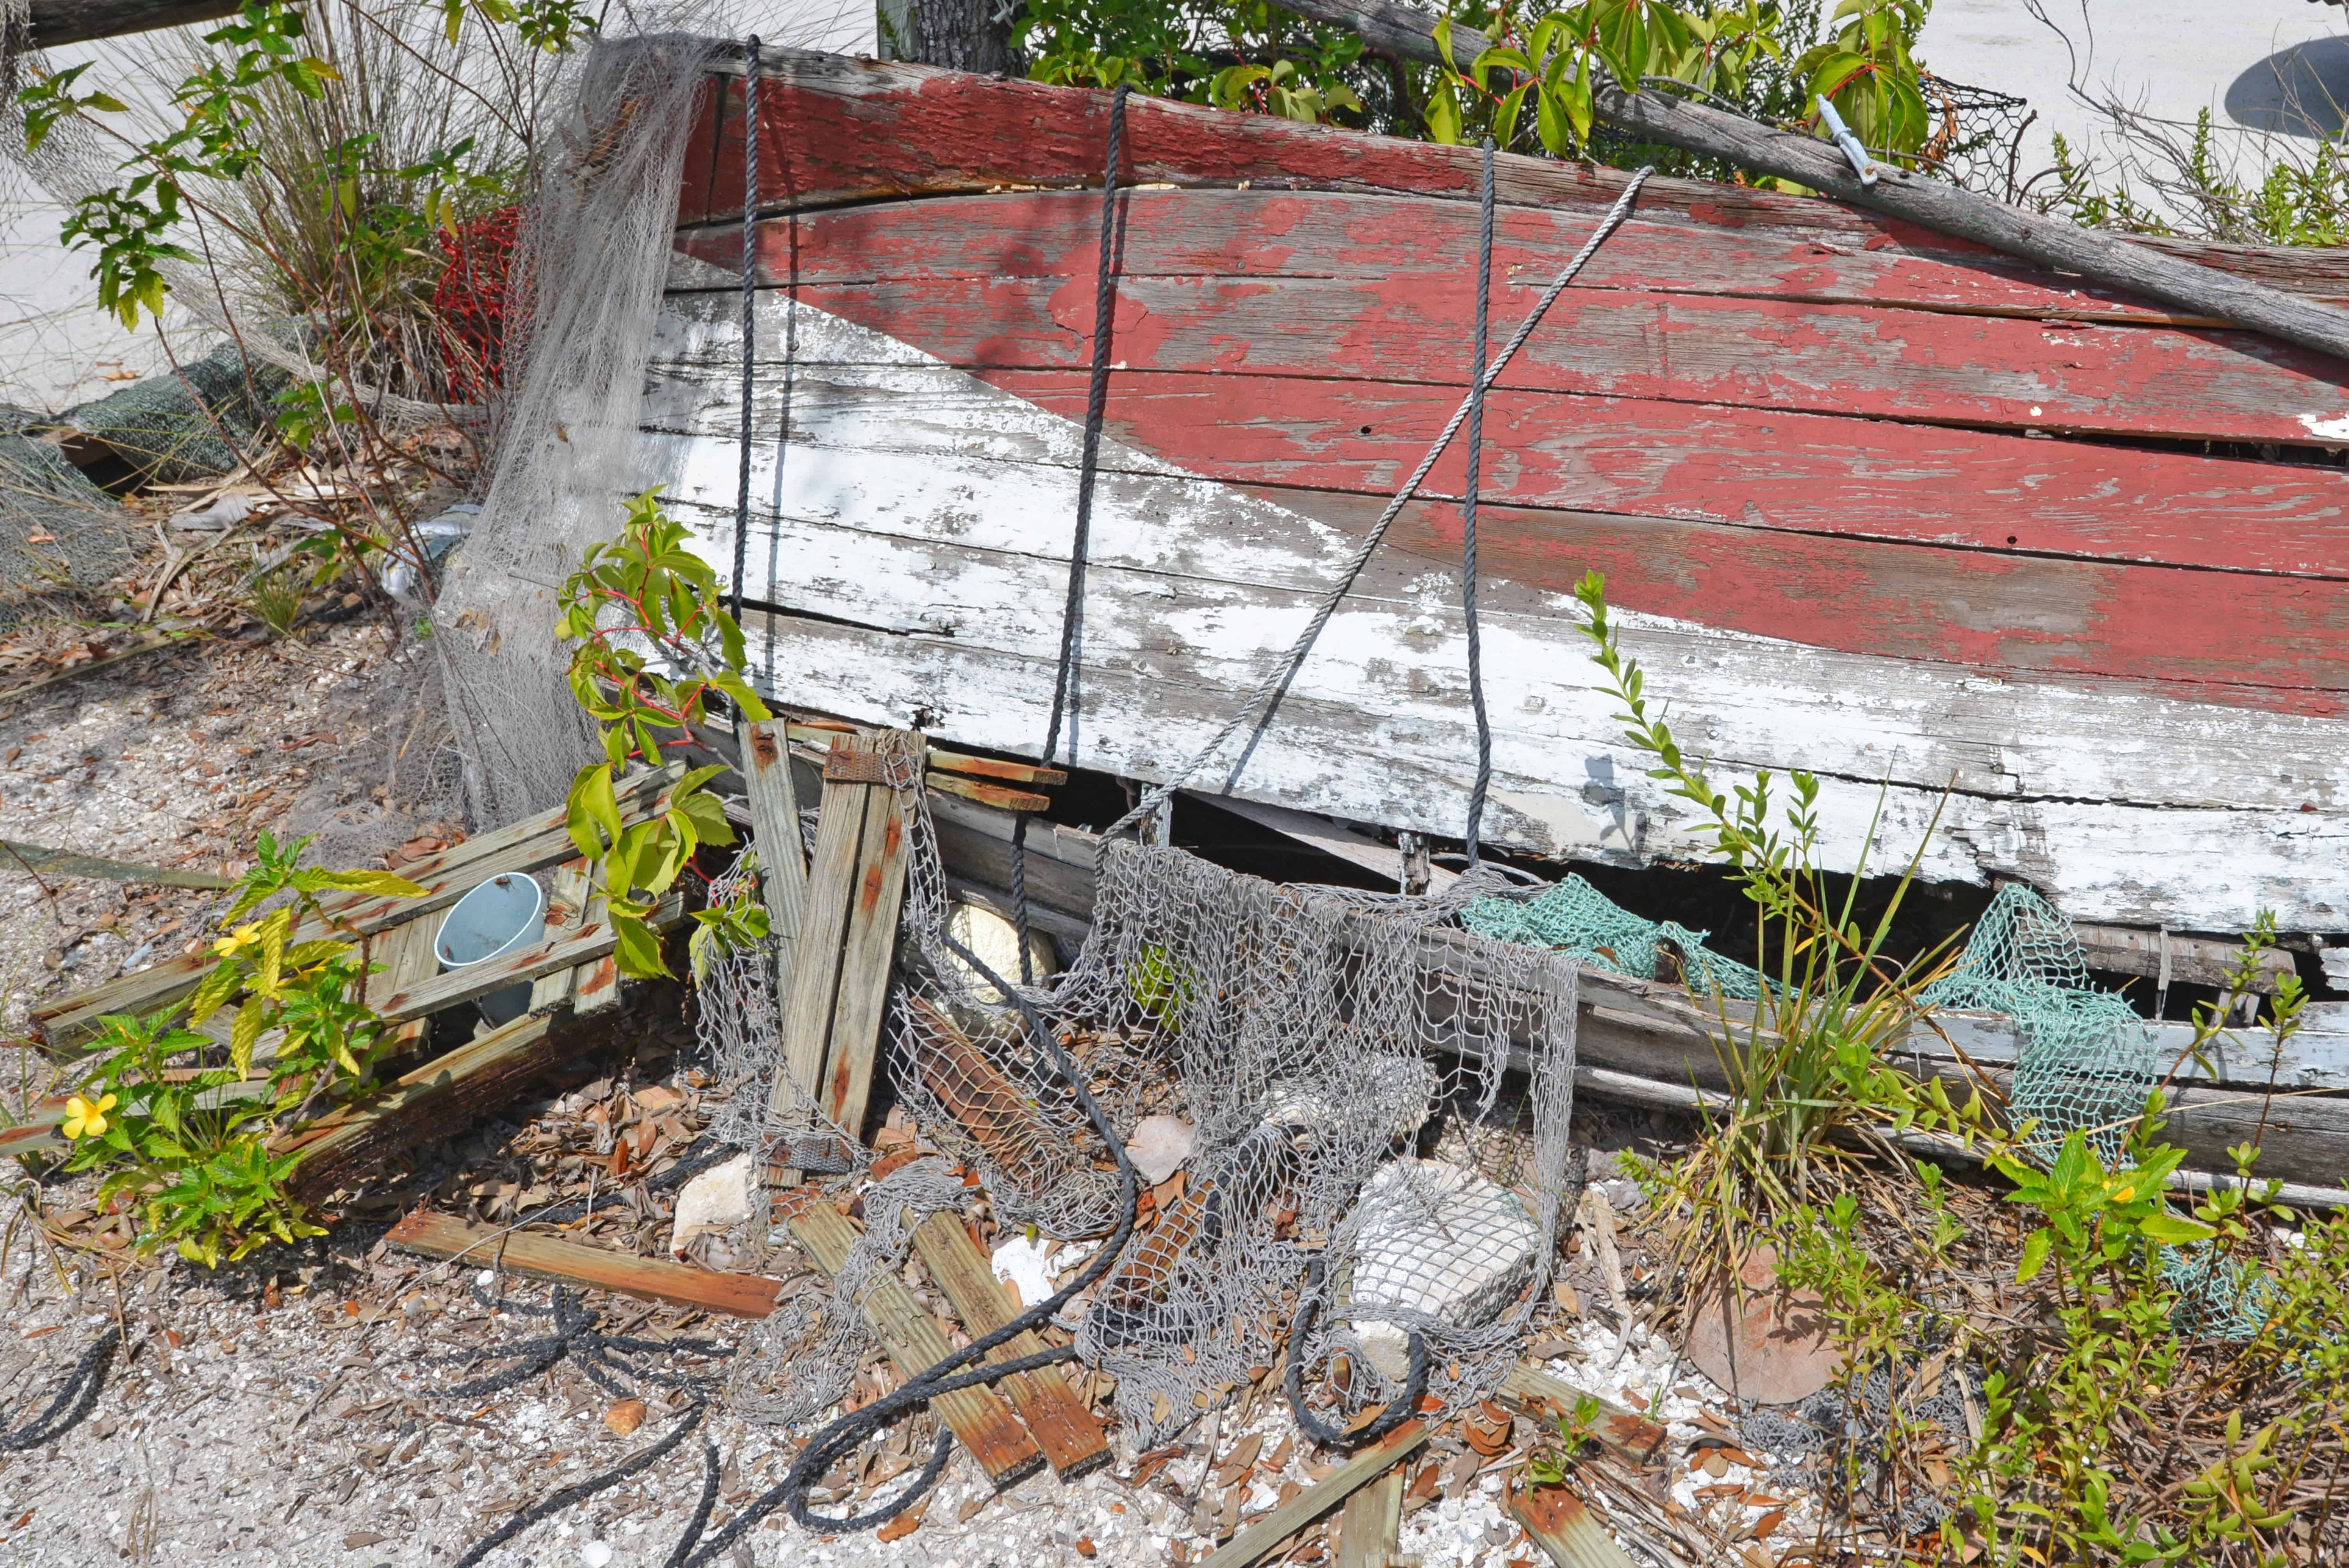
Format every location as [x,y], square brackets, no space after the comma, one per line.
[244,937]
[83,1120]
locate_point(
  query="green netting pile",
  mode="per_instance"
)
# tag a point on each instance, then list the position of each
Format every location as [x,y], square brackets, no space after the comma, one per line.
[1572,916]
[2084,1059]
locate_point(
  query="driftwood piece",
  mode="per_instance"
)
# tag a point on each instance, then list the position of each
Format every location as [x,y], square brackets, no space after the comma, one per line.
[987,1426]
[1260,1539]
[1656,115]
[1069,1435]
[559,1261]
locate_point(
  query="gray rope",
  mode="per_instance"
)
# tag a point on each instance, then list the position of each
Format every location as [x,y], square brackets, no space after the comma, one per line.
[1064,676]
[1259,706]
[1476,388]
[749,304]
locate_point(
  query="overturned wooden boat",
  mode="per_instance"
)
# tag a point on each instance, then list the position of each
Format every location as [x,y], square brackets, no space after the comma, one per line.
[1954,532]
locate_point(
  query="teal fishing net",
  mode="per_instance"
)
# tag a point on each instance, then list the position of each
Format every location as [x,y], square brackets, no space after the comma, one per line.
[2084,1063]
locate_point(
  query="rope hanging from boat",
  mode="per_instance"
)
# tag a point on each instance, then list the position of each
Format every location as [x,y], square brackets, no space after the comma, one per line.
[1064,677]
[1477,384]
[749,307]
[1266,699]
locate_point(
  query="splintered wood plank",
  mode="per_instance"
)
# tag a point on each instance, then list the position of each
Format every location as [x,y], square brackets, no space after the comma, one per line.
[987,1426]
[567,914]
[1367,1530]
[852,130]
[406,955]
[775,831]
[1071,1437]
[559,1261]
[1258,1539]
[531,845]
[38,858]
[870,943]
[594,984]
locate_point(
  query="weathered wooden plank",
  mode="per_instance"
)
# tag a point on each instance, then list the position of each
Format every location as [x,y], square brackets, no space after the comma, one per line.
[1534,1388]
[1003,797]
[1367,1530]
[1330,838]
[592,941]
[65,1021]
[775,831]
[813,996]
[1565,1530]
[2003,496]
[870,941]
[1260,1538]
[567,900]
[1071,1437]
[852,130]
[1283,230]
[406,955]
[1933,367]
[987,1426]
[38,858]
[559,1261]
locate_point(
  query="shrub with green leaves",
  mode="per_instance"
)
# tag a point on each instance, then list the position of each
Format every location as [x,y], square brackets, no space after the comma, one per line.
[190,1145]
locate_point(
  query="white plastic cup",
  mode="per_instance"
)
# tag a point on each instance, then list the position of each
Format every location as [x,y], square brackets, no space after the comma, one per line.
[502,915]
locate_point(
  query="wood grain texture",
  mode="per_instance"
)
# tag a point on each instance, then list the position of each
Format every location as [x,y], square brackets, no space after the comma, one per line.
[560,1261]
[1071,1436]
[1854,358]
[870,943]
[838,130]
[1258,1539]
[775,831]
[1367,1529]
[2109,794]
[986,1424]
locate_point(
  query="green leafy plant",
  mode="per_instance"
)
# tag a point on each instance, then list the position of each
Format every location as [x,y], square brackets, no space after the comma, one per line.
[1807,1069]
[651,643]
[189,1147]
[1549,1465]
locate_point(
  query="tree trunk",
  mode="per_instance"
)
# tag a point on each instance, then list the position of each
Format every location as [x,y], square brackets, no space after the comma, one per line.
[1946,208]
[960,34]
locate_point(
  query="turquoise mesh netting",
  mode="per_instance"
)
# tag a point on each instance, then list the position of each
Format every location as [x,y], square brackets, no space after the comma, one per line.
[2083,1060]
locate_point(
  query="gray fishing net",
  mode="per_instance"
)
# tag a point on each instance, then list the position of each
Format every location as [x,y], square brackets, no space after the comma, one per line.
[59,533]
[1376,1103]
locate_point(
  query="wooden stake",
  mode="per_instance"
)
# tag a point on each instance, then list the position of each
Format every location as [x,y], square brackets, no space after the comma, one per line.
[560,1261]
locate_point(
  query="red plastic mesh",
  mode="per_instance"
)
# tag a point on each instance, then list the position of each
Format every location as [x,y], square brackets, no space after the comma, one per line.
[470,302]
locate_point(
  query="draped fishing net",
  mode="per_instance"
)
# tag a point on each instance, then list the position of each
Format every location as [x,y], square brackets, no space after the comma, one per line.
[1376,1103]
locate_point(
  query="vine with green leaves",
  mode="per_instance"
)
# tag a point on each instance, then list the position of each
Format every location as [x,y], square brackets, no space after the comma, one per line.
[637,609]
[189,1148]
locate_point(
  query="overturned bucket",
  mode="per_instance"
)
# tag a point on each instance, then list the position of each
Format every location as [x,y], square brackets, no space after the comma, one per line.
[502,915]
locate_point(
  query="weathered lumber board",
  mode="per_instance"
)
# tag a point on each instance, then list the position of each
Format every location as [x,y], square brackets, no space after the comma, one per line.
[590,941]
[1850,359]
[38,858]
[559,1261]
[567,900]
[852,130]
[533,845]
[1565,1530]
[1367,1530]
[766,770]
[987,1426]
[1535,1389]
[1071,1436]
[1260,1538]
[831,1015]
